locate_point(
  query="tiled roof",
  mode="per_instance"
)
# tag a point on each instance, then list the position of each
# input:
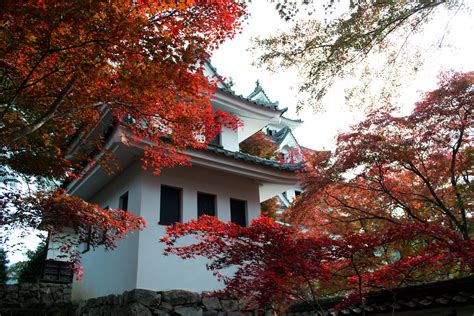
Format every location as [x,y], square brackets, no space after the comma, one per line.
[268,105]
[455,292]
[228,89]
[255,160]
[279,136]
[293,120]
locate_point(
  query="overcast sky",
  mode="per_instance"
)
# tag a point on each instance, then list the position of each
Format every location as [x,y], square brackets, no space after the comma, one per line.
[318,131]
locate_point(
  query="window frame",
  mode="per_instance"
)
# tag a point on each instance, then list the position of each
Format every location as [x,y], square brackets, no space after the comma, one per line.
[246,217]
[217,141]
[122,198]
[180,217]
[215,203]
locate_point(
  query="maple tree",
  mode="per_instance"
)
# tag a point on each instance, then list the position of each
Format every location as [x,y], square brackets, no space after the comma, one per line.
[270,207]
[259,145]
[69,221]
[278,264]
[330,40]
[390,207]
[392,169]
[66,65]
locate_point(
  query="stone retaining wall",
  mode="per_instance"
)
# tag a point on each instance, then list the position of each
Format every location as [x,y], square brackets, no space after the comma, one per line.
[147,303]
[35,299]
[55,299]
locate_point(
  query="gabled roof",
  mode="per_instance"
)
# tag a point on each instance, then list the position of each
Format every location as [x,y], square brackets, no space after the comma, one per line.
[225,87]
[280,136]
[268,105]
[254,97]
[259,95]
[222,82]
[455,292]
[284,118]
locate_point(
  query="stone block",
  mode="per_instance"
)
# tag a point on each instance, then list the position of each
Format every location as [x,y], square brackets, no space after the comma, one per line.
[110,299]
[32,301]
[24,293]
[66,297]
[160,312]
[92,311]
[24,286]
[230,305]
[105,310]
[57,296]
[90,302]
[211,303]
[12,296]
[210,313]
[166,306]
[145,297]
[47,298]
[178,297]
[12,288]
[136,309]
[35,287]
[45,290]
[188,311]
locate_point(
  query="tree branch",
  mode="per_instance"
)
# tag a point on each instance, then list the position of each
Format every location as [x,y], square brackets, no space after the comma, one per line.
[48,115]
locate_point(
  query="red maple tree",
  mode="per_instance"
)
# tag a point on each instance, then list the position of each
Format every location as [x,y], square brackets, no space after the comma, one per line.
[392,170]
[259,145]
[389,208]
[66,64]
[277,264]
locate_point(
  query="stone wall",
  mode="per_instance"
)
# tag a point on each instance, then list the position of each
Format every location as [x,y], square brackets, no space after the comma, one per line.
[35,299]
[147,303]
[55,299]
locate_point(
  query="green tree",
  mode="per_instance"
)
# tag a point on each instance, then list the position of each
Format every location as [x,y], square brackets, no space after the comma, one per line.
[29,270]
[340,44]
[3,266]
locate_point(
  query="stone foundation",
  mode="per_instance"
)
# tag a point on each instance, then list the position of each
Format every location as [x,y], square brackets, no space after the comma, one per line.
[147,303]
[35,299]
[55,299]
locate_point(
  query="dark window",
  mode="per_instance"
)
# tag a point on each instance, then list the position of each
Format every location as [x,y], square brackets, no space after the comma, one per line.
[297,193]
[123,202]
[269,132]
[87,244]
[216,141]
[93,233]
[170,205]
[57,272]
[206,204]
[238,212]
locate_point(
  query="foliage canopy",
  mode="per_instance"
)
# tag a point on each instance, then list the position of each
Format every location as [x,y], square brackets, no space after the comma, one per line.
[390,207]
[66,65]
[339,44]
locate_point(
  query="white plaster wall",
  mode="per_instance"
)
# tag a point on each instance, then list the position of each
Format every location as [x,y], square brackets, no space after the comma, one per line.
[250,126]
[54,252]
[229,139]
[109,272]
[158,272]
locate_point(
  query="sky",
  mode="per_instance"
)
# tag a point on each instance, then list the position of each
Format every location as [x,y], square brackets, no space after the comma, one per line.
[234,60]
